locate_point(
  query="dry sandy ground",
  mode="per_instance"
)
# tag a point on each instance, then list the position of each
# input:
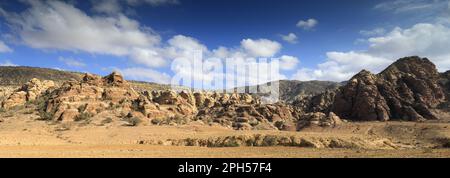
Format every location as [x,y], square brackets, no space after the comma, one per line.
[150,151]
[22,136]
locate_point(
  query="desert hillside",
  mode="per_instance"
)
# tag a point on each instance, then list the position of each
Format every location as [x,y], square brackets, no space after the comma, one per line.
[403,108]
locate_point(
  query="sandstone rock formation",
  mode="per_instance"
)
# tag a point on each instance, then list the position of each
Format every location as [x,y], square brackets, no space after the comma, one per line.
[248,116]
[319,119]
[317,103]
[28,92]
[360,99]
[91,96]
[408,90]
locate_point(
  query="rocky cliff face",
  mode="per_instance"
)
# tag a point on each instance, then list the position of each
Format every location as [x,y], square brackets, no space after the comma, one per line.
[360,99]
[408,89]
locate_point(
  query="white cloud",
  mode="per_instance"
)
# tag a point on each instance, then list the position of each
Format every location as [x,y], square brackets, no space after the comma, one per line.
[61,26]
[152,2]
[145,74]
[373,32]
[181,46]
[106,6]
[7,63]
[342,66]
[57,25]
[261,47]
[307,24]
[4,48]
[290,38]
[71,62]
[426,40]
[406,6]
[117,6]
[288,62]
[148,57]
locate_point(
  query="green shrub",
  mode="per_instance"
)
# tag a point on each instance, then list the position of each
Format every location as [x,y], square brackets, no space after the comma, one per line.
[45,116]
[83,117]
[82,108]
[132,121]
[107,121]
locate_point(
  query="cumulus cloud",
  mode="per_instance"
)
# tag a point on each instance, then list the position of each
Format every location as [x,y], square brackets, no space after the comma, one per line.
[290,38]
[71,62]
[58,25]
[4,48]
[148,57]
[180,46]
[373,32]
[152,2]
[145,74]
[307,24]
[423,39]
[288,62]
[405,6]
[7,63]
[107,6]
[261,47]
[116,6]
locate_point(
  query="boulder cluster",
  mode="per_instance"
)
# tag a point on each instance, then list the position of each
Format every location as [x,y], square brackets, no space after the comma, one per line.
[27,93]
[94,96]
[409,89]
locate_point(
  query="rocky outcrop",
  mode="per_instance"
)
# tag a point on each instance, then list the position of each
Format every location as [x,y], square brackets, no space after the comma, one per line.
[28,92]
[408,90]
[318,119]
[360,99]
[249,116]
[318,103]
[92,95]
[445,82]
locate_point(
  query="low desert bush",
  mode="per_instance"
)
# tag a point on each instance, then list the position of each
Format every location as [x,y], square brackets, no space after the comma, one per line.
[132,121]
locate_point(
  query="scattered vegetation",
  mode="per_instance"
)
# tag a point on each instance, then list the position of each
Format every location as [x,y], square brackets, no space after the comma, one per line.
[106,121]
[12,75]
[41,105]
[444,142]
[177,119]
[82,108]
[29,111]
[132,121]
[85,116]
[45,116]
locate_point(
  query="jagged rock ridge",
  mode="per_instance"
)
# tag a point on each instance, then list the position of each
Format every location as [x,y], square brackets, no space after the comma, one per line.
[408,89]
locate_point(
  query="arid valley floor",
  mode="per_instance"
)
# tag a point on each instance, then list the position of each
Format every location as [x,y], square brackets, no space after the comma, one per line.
[24,137]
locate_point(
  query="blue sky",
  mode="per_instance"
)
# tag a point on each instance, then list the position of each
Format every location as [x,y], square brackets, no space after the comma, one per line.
[315,40]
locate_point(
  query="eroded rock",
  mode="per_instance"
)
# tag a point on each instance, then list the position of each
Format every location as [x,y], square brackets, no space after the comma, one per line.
[28,92]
